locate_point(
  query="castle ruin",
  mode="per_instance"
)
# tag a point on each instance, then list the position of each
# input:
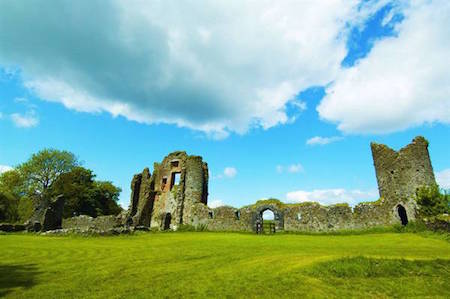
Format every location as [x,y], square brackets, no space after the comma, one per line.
[177,194]
[166,198]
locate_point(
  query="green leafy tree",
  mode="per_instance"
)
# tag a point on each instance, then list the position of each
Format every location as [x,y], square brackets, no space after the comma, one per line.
[10,195]
[432,202]
[43,168]
[12,182]
[107,196]
[8,208]
[76,187]
[85,196]
[13,190]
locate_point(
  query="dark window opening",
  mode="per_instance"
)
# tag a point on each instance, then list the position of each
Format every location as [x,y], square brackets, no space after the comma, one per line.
[174,163]
[402,214]
[175,180]
[238,215]
[211,215]
[163,183]
[167,220]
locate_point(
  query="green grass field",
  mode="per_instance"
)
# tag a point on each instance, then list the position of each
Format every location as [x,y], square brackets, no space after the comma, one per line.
[224,265]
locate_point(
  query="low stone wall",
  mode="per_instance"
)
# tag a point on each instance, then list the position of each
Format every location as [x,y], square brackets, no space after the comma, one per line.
[83,222]
[307,217]
[8,227]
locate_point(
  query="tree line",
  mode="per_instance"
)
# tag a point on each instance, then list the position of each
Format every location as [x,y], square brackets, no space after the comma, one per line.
[50,173]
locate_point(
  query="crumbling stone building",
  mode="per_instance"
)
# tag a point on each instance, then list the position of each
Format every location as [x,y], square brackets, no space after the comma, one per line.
[176,193]
[167,198]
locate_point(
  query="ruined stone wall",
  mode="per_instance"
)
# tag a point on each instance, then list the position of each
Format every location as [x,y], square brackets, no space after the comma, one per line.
[165,199]
[83,222]
[399,174]
[154,197]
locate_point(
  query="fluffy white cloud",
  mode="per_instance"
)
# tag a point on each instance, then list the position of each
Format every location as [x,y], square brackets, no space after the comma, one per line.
[443,178]
[4,168]
[27,120]
[404,81]
[293,168]
[318,140]
[214,66]
[332,196]
[229,172]
[215,203]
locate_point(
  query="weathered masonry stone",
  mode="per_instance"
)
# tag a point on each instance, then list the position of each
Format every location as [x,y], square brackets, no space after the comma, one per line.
[47,215]
[165,199]
[85,223]
[176,193]
[399,174]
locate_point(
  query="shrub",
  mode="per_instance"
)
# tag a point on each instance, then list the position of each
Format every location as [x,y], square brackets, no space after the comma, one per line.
[432,202]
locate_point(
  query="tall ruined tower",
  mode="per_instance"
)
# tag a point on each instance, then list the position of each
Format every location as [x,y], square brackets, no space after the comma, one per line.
[399,174]
[165,199]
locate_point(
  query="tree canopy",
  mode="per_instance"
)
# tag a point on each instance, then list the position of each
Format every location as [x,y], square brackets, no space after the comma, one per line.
[50,173]
[43,168]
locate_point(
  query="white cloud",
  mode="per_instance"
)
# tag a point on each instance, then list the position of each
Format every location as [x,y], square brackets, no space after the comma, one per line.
[27,120]
[213,66]
[293,168]
[229,172]
[280,168]
[332,196]
[318,140]
[443,178]
[404,81]
[215,203]
[5,168]
[20,100]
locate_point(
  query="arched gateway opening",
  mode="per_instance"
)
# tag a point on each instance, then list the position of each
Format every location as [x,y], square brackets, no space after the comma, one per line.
[268,219]
[402,214]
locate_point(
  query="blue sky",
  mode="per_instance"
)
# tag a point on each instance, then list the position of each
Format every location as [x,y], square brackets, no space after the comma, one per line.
[281,100]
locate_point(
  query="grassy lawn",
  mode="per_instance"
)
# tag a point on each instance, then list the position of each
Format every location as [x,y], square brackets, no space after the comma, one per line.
[224,265]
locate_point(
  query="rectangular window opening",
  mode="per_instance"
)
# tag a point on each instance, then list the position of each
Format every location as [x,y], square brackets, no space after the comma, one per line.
[163,183]
[175,180]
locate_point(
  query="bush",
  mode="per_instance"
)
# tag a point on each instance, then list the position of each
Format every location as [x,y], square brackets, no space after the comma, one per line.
[432,202]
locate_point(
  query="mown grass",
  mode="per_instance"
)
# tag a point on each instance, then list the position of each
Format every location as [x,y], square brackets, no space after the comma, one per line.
[220,265]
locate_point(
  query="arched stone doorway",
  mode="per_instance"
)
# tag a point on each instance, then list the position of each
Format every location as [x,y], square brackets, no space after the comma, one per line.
[167,219]
[402,214]
[271,211]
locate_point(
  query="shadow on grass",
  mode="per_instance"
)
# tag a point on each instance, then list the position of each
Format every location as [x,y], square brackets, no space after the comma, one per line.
[364,267]
[16,276]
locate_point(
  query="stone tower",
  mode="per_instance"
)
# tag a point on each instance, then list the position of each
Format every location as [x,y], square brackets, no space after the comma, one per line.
[400,174]
[165,199]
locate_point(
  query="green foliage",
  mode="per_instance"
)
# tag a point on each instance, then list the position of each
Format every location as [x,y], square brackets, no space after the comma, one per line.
[269,201]
[431,201]
[106,196]
[85,196]
[43,168]
[12,182]
[25,209]
[50,173]
[224,265]
[8,208]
